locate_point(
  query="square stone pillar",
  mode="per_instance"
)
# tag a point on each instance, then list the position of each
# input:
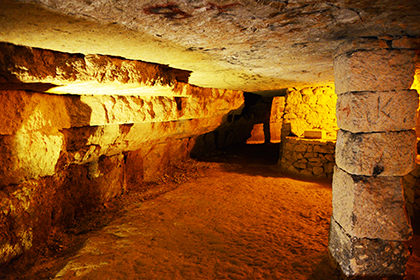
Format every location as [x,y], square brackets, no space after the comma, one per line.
[376,146]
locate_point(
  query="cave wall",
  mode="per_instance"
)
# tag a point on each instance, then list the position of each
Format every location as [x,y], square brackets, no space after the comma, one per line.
[62,156]
[310,108]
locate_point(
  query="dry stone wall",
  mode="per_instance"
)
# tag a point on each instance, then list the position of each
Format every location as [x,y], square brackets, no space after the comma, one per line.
[63,155]
[309,109]
[308,157]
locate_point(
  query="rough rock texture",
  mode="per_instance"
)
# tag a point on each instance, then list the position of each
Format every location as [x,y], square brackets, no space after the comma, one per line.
[374,70]
[411,183]
[38,126]
[375,147]
[33,210]
[32,65]
[312,158]
[376,154]
[366,257]
[245,44]
[63,155]
[377,111]
[311,108]
[370,207]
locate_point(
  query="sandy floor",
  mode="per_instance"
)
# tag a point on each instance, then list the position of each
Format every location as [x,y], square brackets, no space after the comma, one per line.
[227,220]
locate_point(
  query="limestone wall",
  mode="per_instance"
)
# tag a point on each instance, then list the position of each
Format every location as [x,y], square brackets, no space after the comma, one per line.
[310,108]
[62,156]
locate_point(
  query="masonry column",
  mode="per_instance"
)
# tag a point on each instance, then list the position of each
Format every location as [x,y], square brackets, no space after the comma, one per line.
[376,146]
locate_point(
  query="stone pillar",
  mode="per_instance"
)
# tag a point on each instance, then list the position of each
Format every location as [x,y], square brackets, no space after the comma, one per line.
[376,146]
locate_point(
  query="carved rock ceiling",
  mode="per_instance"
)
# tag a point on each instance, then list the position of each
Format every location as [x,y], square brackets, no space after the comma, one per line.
[249,45]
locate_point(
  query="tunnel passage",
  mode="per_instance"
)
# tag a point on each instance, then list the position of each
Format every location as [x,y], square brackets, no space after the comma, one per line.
[61,161]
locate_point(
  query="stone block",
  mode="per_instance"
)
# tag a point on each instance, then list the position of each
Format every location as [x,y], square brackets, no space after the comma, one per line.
[323,149]
[377,111]
[329,167]
[291,169]
[300,163]
[376,154]
[308,155]
[316,163]
[362,257]
[314,134]
[296,156]
[301,148]
[370,207]
[374,70]
[318,170]
[330,157]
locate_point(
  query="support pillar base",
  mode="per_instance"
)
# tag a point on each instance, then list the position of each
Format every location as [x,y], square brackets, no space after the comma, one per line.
[363,258]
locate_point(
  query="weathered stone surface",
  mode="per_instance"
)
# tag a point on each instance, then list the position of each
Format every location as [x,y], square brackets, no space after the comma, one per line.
[257,134]
[16,227]
[405,42]
[311,108]
[31,65]
[376,154]
[377,111]
[374,70]
[366,257]
[36,126]
[275,132]
[313,134]
[361,44]
[411,183]
[308,157]
[370,207]
[277,109]
[29,155]
[135,109]
[241,45]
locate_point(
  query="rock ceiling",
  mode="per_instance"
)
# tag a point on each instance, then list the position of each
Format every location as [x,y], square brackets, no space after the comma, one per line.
[249,45]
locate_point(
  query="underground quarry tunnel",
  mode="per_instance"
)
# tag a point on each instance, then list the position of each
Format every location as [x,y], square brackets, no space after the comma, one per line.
[248,139]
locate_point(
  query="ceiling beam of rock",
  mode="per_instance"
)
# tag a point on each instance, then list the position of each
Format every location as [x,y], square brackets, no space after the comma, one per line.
[250,45]
[25,68]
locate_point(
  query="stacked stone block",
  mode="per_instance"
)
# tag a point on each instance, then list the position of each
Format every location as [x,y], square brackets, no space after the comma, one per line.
[376,146]
[308,157]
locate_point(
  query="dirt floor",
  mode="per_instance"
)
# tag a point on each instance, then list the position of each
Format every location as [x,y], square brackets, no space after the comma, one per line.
[232,216]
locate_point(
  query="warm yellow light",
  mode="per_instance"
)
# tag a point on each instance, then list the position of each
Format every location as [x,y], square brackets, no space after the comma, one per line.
[115,88]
